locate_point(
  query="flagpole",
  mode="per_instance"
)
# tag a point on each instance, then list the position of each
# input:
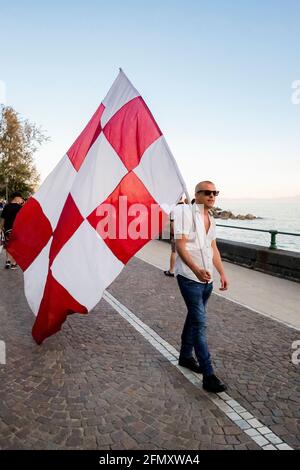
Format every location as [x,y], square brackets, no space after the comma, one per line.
[188,199]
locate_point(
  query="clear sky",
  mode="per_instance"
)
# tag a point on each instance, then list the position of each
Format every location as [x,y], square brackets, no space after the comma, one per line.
[217,75]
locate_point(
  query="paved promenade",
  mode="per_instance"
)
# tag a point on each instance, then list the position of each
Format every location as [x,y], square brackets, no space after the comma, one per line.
[270,295]
[109,380]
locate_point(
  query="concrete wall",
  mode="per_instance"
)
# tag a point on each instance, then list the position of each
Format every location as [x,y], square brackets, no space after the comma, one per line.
[281,263]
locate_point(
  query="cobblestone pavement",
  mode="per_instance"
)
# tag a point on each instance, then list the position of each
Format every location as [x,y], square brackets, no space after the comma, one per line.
[251,353]
[99,384]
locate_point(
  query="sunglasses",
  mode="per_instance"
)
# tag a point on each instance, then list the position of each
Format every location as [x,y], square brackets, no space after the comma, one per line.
[207,192]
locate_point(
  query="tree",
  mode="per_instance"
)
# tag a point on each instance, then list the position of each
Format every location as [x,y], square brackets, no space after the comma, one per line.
[19,140]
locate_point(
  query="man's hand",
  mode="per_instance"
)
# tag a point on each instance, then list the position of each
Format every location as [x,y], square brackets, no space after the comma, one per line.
[203,275]
[224,282]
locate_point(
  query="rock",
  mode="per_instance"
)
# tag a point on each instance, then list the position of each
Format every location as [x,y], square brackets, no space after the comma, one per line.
[218,213]
[226,214]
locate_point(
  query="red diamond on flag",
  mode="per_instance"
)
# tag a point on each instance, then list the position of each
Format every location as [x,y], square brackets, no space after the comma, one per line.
[128,218]
[131,131]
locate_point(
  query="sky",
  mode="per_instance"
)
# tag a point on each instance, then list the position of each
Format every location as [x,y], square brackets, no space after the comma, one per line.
[217,76]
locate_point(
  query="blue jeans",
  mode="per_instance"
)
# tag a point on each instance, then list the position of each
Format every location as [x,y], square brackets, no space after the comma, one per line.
[193,335]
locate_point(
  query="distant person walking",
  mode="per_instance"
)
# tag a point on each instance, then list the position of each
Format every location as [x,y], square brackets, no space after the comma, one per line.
[8,216]
[197,253]
[170,271]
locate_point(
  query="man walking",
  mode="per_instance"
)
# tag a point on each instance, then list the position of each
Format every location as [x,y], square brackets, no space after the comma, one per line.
[197,253]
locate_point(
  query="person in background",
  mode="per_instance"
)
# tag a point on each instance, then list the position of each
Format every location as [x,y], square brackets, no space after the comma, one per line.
[197,253]
[170,271]
[8,216]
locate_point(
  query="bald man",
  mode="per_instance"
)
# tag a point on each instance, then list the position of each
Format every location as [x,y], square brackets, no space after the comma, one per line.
[197,253]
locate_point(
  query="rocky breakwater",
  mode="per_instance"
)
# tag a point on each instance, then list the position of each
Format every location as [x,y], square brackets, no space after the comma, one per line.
[226,214]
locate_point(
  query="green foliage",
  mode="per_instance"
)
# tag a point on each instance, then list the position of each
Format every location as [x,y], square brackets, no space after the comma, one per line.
[19,140]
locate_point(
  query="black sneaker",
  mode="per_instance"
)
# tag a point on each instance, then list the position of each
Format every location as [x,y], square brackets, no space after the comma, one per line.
[7,265]
[13,266]
[168,273]
[211,383]
[190,363]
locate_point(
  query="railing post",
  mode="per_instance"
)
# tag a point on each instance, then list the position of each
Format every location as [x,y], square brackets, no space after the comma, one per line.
[273,245]
[273,233]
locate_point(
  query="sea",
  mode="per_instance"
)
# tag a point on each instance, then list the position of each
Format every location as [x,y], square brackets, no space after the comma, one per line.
[282,215]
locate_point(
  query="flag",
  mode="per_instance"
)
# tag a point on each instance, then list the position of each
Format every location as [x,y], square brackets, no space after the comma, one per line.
[108,196]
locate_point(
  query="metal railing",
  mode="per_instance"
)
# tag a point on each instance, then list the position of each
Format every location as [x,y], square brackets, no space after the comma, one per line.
[273,233]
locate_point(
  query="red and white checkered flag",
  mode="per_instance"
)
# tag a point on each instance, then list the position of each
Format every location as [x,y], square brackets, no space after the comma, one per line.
[107,197]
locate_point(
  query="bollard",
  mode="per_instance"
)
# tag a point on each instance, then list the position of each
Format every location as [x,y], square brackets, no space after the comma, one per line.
[273,245]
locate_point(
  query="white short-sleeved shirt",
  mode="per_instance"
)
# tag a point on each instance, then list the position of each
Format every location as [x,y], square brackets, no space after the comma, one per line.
[198,243]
